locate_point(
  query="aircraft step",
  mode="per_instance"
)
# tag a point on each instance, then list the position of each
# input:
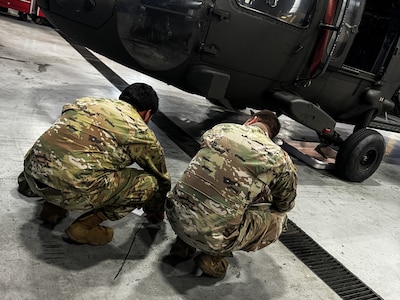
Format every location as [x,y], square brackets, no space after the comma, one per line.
[391,123]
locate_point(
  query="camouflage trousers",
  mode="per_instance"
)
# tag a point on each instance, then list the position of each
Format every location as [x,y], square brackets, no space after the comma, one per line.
[118,193]
[259,228]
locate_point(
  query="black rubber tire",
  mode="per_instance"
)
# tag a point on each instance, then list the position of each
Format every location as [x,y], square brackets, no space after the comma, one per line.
[360,155]
[39,20]
[23,16]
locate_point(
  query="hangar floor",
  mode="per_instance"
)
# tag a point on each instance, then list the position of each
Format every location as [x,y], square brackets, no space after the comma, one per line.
[355,225]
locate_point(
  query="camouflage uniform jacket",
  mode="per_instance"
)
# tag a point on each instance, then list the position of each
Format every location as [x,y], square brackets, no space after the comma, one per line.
[238,167]
[92,138]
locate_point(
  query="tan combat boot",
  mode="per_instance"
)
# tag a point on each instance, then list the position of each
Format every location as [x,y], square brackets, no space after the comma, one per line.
[86,229]
[214,266]
[182,250]
[52,214]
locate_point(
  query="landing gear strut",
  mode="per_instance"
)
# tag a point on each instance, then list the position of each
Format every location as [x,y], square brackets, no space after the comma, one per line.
[357,157]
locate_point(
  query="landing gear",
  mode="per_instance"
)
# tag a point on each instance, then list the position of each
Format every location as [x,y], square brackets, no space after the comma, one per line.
[38,20]
[354,159]
[23,16]
[360,155]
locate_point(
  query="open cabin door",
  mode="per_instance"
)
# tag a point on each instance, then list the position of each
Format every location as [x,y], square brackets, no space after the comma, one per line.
[368,37]
[349,15]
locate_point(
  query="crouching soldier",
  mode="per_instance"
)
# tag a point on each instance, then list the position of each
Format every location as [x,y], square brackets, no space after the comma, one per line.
[84,162]
[234,195]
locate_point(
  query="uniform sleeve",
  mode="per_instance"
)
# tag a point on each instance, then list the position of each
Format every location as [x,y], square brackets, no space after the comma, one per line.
[284,187]
[150,156]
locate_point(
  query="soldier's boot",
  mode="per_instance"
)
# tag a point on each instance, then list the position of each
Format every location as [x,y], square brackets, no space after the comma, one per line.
[214,266]
[87,229]
[182,250]
[52,214]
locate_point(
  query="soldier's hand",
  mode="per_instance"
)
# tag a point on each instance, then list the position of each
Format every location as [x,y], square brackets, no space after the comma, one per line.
[156,218]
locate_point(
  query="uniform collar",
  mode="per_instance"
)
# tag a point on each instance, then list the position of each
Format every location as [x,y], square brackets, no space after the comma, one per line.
[262,127]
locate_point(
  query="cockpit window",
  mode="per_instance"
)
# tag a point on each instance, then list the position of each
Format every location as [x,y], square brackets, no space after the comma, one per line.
[295,12]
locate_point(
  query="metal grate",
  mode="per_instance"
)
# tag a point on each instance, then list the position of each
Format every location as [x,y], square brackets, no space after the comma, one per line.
[325,266]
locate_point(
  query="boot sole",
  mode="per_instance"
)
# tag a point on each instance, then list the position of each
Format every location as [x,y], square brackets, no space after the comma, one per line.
[74,240]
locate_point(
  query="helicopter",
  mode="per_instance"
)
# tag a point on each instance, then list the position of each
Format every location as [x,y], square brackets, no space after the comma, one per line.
[317,61]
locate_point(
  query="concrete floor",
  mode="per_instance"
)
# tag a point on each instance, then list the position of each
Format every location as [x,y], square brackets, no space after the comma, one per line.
[356,223]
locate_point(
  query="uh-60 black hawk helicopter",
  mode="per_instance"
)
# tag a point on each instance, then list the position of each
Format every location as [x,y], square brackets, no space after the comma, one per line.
[316,61]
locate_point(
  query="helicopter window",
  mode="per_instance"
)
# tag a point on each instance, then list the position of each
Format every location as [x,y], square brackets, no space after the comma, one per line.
[295,12]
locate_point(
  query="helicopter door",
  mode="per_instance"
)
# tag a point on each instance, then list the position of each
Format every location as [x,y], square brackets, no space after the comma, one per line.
[260,37]
[374,38]
[348,23]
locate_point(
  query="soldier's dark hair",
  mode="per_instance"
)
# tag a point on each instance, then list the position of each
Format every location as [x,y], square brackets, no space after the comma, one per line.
[141,96]
[268,118]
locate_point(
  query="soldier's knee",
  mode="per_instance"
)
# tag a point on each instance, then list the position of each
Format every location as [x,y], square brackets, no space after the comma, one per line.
[148,184]
[25,188]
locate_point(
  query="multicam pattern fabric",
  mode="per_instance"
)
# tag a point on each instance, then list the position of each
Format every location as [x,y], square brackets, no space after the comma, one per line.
[88,153]
[235,193]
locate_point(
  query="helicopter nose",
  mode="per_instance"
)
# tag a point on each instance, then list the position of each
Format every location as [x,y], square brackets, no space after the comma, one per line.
[158,35]
[92,13]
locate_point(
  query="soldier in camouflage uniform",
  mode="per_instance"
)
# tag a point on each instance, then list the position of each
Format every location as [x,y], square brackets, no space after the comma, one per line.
[86,161]
[234,195]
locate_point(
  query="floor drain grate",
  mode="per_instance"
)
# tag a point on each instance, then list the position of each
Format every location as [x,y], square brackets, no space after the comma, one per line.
[325,266]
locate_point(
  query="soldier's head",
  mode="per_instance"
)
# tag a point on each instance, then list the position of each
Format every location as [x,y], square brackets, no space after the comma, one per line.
[269,119]
[142,97]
